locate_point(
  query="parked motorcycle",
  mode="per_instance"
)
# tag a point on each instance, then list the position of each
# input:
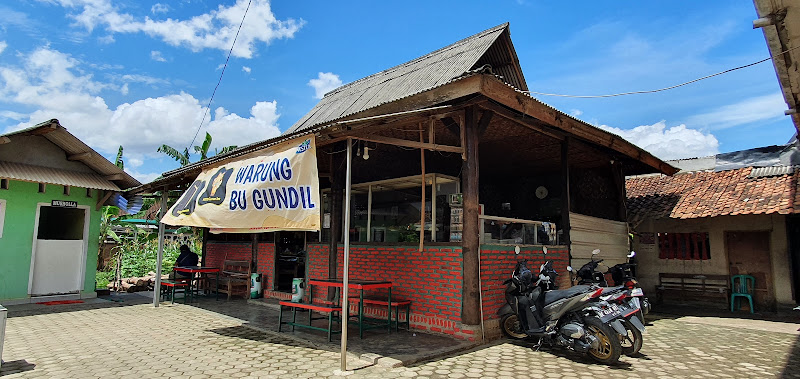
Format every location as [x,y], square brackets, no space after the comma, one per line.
[626,292]
[573,318]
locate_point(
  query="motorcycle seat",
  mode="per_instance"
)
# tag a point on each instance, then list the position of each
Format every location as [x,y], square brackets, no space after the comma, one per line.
[607,290]
[556,295]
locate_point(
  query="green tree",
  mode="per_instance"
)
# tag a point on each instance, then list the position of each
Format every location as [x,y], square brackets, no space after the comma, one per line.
[202,150]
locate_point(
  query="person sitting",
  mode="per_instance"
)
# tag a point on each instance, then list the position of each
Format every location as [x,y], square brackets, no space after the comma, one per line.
[187,258]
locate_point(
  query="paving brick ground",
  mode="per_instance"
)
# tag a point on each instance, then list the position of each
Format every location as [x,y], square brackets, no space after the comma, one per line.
[139,341]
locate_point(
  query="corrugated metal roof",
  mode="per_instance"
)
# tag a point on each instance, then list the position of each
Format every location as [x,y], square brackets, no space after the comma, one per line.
[764,172]
[38,174]
[418,75]
[72,146]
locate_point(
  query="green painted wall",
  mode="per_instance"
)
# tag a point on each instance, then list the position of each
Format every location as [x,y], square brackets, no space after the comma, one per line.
[17,242]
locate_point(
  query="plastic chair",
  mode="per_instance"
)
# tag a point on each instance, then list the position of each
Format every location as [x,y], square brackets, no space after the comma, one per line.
[741,286]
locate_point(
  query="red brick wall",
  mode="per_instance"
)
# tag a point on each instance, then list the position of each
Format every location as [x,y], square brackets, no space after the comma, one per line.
[218,252]
[497,264]
[431,279]
[266,264]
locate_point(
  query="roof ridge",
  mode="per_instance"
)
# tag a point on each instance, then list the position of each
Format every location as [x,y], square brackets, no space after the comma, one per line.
[426,56]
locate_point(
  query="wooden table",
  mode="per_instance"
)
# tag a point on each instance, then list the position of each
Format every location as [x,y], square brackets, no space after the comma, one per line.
[192,270]
[360,285]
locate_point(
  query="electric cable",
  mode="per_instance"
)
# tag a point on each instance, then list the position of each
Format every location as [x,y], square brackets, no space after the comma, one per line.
[208,107]
[660,89]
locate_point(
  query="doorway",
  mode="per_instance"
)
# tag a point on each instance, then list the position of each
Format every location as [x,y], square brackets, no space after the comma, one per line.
[58,261]
[749,254]
[290,259]
[793,230]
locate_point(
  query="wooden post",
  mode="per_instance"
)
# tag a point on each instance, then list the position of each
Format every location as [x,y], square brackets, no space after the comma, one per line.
[422,207]
[565,203]
[337,185]
[369,213]
[470,304]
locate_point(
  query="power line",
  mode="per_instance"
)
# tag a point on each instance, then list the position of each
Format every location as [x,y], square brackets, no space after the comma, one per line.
[208,107]
[660,89]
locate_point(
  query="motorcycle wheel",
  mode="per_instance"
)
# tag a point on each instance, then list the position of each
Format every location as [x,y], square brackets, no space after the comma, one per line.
[511,327]
[632,344]
[609,350]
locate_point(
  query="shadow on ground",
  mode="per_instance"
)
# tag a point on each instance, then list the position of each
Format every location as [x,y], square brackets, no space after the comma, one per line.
[792,368]
[405,346]
[16,367]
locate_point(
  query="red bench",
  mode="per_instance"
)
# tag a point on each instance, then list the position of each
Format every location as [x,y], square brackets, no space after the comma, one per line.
[396,305]
[172,284]
[330,310]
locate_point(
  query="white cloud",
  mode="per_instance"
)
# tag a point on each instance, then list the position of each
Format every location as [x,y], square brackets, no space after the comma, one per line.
[754,109]
[106,40]
[576,112]
[159,8]
[156,56]
[325,82]
[142,177]
[213,30]
[46,82]
[669,143]
[3,46]
[246,69]
[132,78]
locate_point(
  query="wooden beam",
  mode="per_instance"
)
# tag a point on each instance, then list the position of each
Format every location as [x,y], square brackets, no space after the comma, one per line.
[102,200]
[503,94]
[565,203]
[411,144]
[43,130]
[470,304]
[486,117]
[114,177]
[79,156]
[528,122]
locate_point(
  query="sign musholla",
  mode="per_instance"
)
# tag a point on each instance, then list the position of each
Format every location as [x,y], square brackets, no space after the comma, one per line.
[64,204]
[276,190]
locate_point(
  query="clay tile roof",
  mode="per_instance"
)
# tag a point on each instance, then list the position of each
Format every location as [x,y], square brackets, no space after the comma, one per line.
[710,194]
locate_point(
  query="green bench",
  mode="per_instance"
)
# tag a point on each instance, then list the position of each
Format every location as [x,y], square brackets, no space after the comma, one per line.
[330,310]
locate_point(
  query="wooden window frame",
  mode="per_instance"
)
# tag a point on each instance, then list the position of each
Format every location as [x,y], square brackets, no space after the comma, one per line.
[684,246]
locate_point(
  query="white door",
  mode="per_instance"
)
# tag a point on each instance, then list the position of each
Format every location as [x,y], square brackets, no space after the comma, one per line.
[59,250]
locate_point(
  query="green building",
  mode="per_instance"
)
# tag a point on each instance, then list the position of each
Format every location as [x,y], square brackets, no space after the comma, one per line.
[52,187]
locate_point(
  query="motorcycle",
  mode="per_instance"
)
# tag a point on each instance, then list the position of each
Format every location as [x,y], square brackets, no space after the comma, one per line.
[573,318]
[626,292]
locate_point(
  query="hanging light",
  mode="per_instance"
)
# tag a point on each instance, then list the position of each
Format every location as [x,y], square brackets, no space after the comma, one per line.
[366,153]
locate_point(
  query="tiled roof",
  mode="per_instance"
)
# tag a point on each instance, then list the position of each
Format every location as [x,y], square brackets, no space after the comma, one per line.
[710,194]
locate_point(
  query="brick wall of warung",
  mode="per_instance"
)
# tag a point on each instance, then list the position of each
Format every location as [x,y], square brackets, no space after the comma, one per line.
[218,252]
[498,262]
[265,256]
[432,279]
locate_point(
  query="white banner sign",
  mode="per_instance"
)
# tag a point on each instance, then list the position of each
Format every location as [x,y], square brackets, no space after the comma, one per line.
[276,190]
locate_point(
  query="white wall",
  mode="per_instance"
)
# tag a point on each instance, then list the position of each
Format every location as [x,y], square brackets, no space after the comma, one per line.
[649,265]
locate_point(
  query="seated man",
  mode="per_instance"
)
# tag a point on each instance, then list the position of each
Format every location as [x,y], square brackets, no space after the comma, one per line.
[185,259]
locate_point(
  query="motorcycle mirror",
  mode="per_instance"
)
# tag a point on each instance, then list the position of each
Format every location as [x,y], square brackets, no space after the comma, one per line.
[544,250]
[569,268]
[632,254]
[595,251]
[516,249]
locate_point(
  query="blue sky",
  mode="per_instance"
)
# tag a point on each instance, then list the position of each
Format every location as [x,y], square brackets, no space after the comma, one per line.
[139,73]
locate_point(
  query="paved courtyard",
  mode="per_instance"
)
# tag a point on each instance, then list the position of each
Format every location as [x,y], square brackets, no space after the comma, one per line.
[139,341]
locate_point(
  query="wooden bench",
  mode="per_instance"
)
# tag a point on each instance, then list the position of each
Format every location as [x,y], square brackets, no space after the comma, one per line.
[701,287]
[234,278]
[396,305]
[330,310]
[168,287]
